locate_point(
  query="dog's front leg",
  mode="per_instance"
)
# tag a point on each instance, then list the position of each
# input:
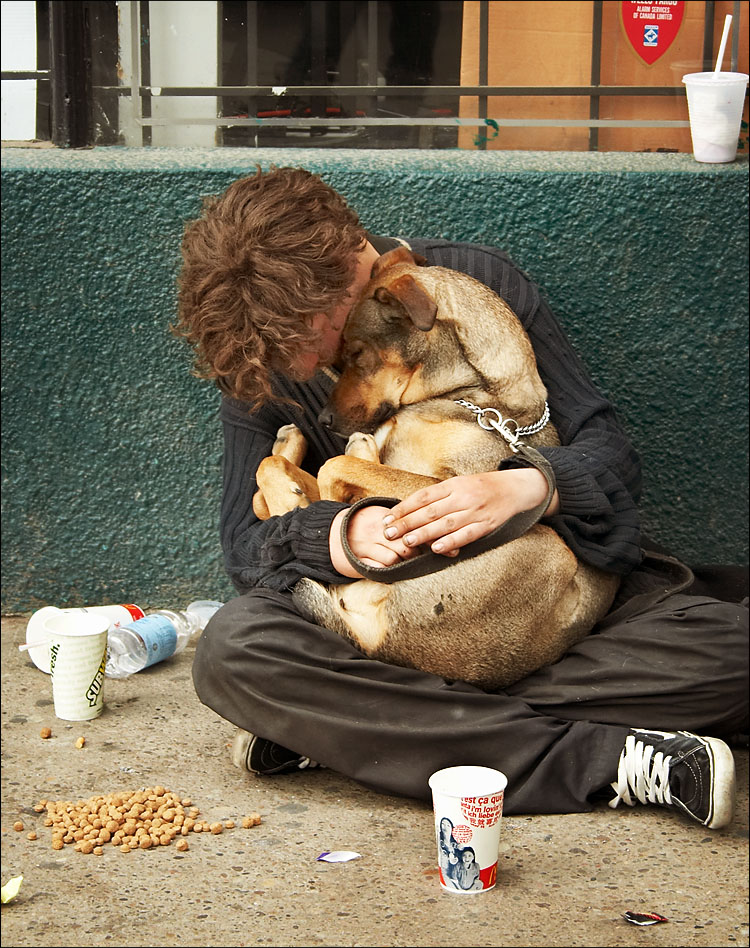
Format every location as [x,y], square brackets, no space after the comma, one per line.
[362,446]
[349,479]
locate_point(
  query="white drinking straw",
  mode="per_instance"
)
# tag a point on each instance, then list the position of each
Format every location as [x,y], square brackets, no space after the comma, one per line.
[723,44]
[25,648]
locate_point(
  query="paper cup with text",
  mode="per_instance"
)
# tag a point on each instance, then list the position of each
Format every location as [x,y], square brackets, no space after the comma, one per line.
[78,657]
[468,806]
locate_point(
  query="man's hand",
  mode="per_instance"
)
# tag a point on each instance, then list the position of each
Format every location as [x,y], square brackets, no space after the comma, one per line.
[448,515]
[366,539]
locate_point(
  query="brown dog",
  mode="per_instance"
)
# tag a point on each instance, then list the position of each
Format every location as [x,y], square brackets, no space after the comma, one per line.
[419,339]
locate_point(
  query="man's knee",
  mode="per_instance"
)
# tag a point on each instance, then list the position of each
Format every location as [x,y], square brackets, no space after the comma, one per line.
[227,645]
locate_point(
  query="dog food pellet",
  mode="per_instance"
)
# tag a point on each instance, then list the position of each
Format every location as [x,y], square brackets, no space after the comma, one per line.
[142,819]
[31,835]
[45,733]
[80,742]
[98,851]
[18,826]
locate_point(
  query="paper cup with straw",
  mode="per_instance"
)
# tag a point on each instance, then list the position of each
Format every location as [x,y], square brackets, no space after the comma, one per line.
[715,104]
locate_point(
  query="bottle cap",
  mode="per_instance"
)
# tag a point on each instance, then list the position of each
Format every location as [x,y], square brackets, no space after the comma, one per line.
[204,609]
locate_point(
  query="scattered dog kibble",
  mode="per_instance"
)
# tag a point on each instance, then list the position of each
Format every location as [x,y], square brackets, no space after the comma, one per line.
[45,733]
[31,835]
[129,821]
[80,742]
[18,826]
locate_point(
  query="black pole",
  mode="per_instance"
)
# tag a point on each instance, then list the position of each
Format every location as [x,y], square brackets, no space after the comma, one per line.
[70,74]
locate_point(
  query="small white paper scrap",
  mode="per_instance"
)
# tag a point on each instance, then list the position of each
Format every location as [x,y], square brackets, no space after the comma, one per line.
[341,855]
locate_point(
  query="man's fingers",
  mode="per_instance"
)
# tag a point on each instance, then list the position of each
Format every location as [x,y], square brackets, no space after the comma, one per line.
[418,500]
[453,526]
[433,514]
[450,545]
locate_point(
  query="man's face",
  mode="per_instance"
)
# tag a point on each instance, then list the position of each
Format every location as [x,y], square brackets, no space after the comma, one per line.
[330,326]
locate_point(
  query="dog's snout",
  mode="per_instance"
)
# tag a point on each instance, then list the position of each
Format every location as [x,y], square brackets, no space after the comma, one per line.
[326,418]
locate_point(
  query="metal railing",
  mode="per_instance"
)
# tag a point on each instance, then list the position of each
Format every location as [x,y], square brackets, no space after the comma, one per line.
[72,89]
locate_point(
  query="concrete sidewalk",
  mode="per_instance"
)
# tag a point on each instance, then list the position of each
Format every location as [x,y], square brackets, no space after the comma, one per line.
[563,880]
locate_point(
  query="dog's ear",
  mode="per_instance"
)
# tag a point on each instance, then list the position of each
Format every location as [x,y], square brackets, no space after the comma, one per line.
[405,292]
[397,255]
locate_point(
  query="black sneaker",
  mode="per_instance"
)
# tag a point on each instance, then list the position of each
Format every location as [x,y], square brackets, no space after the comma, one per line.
[678,769]
[263,757]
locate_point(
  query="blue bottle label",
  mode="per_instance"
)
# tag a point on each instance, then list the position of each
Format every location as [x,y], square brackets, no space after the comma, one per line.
[159,635]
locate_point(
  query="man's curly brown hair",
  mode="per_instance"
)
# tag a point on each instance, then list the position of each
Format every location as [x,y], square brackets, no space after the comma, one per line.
[264,257]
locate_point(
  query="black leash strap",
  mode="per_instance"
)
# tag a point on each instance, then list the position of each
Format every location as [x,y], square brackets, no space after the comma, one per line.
[430,562]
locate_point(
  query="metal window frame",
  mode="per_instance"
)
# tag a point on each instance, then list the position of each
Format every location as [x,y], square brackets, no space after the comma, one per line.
[72,92]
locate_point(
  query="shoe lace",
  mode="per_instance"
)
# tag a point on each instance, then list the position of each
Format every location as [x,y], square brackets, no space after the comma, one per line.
[307,762]
[642,771]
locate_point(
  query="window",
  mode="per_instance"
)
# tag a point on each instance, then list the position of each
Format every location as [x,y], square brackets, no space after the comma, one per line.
[362,73]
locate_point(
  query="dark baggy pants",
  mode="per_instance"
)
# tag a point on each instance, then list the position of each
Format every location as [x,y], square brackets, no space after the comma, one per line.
[667,657]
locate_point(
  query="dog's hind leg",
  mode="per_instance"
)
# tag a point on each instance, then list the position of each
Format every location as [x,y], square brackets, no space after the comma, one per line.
[282,486]
[355,611]
[290,443]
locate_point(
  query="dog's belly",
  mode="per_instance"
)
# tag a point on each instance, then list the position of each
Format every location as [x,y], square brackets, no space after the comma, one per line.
[490,620]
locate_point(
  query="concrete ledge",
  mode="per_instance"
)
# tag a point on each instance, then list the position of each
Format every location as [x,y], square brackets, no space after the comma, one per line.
[111,450]
[453,161]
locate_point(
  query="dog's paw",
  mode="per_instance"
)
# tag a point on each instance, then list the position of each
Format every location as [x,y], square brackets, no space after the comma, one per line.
[290,443]
[362,446]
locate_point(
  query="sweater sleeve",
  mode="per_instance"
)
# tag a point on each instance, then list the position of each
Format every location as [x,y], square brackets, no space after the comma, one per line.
[277,552]
[596,467]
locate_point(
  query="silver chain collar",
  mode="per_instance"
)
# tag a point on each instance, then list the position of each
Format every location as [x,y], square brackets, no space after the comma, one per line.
[500,424]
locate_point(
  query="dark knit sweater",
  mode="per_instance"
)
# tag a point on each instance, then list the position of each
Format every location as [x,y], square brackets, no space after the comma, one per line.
[597,469]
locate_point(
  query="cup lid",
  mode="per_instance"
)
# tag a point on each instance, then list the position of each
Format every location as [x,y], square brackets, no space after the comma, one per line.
[707,78]
[36,633]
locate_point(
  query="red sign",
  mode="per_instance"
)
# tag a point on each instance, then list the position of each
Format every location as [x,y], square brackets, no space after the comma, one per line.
[651,28]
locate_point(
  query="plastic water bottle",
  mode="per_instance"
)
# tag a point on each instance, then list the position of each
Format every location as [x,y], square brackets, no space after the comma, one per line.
[159,635]
[37,637]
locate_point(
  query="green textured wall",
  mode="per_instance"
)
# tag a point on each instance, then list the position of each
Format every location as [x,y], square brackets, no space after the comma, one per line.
[111,449]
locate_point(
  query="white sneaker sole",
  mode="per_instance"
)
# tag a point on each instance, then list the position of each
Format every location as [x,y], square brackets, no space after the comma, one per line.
[725,784]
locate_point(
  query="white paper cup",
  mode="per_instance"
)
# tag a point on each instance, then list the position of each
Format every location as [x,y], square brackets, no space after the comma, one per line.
[468,805]
[715,104]
[36,634]
[78,656]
